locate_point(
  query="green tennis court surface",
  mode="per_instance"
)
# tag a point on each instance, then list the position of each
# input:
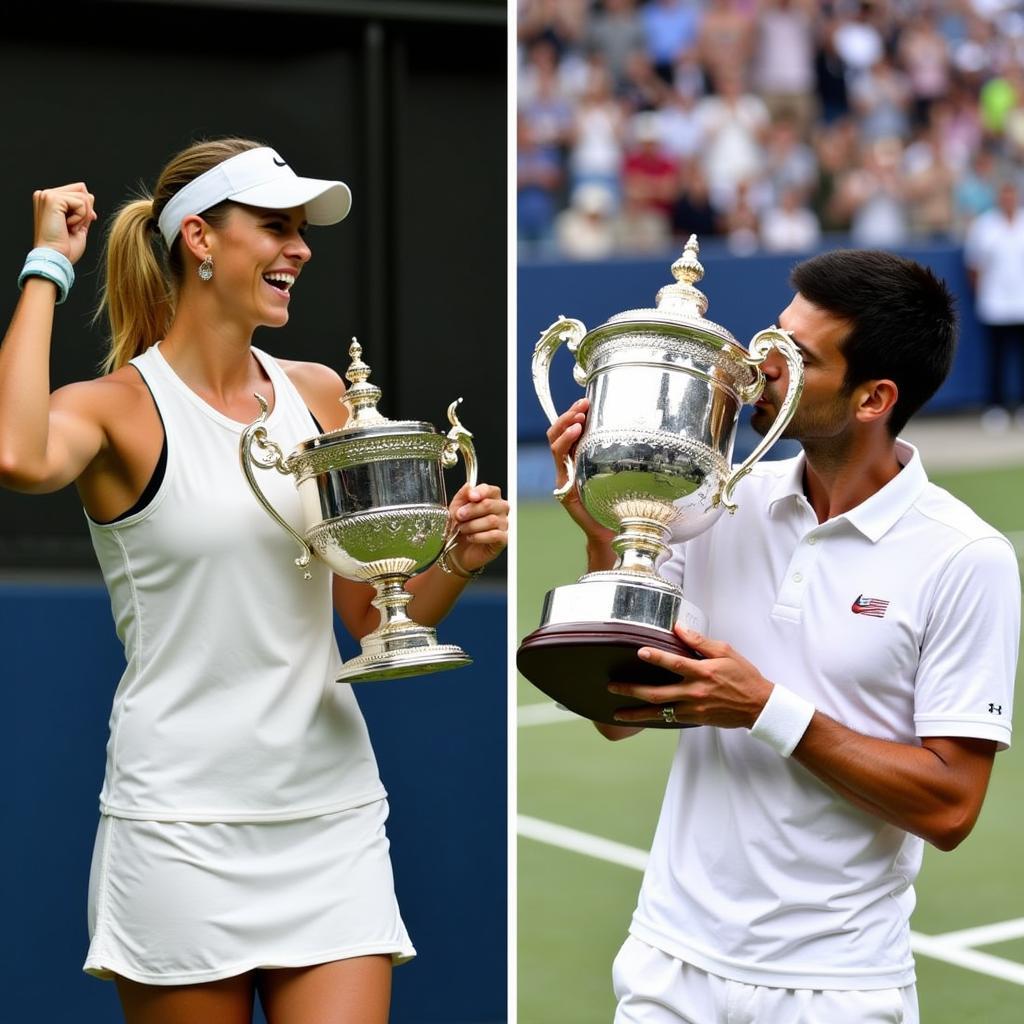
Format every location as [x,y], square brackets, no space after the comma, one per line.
[588,809]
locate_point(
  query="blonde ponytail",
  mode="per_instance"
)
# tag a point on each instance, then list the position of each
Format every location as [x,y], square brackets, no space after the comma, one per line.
[137,295]
[142,277]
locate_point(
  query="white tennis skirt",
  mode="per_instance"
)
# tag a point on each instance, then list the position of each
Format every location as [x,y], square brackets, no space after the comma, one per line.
[180,903]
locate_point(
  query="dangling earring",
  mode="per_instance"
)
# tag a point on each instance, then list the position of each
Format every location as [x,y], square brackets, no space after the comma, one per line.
[206,268]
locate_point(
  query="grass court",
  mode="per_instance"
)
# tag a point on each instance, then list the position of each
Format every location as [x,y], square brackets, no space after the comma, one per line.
[588,809]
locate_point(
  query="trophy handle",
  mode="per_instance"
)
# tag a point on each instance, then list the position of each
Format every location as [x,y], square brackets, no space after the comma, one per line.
[459,441]
[760,346]
[272,458]
[562,330]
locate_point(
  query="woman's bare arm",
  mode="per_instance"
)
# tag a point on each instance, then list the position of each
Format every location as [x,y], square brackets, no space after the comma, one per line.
[45,442]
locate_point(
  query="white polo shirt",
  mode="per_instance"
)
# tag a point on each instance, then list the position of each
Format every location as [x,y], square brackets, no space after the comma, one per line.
[899,619]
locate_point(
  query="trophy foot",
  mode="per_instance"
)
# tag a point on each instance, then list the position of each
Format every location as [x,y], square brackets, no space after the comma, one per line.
[394,664]
[573,663]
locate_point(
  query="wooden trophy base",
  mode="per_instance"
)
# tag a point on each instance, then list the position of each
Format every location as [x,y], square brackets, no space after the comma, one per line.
[573,663]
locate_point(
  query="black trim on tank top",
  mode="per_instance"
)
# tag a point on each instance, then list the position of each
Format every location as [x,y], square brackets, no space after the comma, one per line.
[149,491]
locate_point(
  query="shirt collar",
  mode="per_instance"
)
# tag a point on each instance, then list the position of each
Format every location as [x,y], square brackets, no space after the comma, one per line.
[876,515]
[790,484]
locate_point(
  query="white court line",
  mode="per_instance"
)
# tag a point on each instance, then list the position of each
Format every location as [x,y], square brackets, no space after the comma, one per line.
[934,946]
[582,842]
[544,714]
[971,959]
[986,934]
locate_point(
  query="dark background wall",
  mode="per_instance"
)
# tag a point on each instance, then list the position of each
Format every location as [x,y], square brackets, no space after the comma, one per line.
[406,101]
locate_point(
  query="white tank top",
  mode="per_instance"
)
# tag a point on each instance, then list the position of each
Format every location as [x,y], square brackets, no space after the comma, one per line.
[228,709]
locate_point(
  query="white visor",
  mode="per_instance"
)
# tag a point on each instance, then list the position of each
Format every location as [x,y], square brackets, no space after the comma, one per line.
[257,177]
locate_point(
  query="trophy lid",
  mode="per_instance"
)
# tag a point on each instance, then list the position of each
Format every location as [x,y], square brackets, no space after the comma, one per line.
[361,398]
[679,304]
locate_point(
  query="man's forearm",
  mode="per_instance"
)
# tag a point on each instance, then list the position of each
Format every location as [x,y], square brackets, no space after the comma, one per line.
[600,555]
[934,791]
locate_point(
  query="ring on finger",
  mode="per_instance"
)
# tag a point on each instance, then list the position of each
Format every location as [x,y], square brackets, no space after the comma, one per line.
[668,715]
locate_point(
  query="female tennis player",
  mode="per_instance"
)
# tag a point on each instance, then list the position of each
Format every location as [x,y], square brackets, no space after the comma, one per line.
[241,845]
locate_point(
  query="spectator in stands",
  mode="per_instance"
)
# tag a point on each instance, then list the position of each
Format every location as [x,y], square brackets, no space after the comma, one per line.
[558,22]
[547,109]
[1013,122]
[858,41]
[725,41]
[999,96]
[925,57]
[692,212]
[975,54]
[649,173]
[584,231]
[789,226]
[994,253]
[830,72]
[538,180]
[642,88]
[680,125]
[784,60]
[929,187]
[880,96]
[975,191]
[596,148]
[616,30]
[837,149]
[688,75]
[957,125]
[740,222]
[853,81]
[872,196]
[734,123]
[670,28]
[639,230]
[789,162]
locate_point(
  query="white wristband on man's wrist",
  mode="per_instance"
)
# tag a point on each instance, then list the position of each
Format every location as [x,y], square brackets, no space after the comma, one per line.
[783,720]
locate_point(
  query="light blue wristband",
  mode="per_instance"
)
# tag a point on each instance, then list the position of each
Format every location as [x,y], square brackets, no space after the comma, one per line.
[53,265]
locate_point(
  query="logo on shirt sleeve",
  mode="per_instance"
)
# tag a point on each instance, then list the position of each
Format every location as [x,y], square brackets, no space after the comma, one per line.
[873,606]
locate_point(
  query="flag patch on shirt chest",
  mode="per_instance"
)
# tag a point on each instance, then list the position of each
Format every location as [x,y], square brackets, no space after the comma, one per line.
[873,606]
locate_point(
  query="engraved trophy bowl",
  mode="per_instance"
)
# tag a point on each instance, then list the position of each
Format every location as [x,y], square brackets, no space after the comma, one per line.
[654,464]
[374,510]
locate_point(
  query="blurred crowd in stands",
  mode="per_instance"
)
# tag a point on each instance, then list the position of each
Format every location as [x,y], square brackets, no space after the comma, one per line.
[764,122]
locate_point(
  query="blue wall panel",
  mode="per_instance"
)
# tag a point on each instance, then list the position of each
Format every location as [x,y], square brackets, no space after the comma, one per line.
[745,294]
[441,744]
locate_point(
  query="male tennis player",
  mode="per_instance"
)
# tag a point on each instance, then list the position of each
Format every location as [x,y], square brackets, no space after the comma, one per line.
[854,687]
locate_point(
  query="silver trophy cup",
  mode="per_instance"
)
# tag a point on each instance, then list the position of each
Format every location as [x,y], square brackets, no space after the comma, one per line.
[374,510]
[653,464]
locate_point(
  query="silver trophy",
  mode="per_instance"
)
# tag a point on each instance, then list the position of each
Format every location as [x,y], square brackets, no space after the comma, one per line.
[374,510]
[654,464]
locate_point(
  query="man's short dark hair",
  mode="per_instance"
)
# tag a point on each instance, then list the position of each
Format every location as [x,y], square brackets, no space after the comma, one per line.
[903,318]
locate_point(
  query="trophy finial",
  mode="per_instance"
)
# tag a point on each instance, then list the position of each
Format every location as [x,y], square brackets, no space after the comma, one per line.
[362,397]
[688,268]
[684,297]
[358,371]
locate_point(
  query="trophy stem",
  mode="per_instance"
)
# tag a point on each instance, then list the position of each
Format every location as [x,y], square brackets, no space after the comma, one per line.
[399,646]
[396,629]
[639,544]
